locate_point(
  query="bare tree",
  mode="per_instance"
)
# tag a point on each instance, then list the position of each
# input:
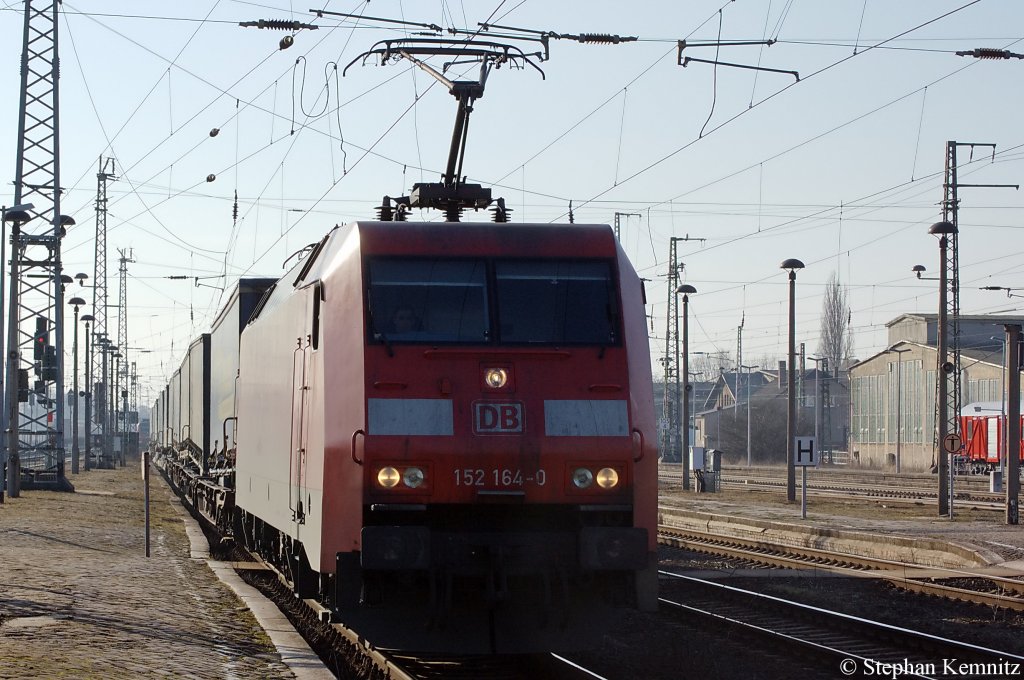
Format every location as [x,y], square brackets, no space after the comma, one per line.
[836,342]
[705,367]
[768,432]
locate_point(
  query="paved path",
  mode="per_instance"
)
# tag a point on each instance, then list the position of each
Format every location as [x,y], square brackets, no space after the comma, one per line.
[79,598]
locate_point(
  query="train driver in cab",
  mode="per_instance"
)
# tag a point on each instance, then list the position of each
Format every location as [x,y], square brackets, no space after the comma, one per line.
[404,321]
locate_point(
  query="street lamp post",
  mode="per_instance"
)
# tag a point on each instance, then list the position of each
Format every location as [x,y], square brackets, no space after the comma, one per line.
[87,392]
[115,368]
[16,215]
[943,369]
[686,290]
[899,401]
[102,406]
[75,302]
[792,265]
[749,368]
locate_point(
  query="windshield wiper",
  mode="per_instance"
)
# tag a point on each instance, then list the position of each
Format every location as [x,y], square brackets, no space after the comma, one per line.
[379,335]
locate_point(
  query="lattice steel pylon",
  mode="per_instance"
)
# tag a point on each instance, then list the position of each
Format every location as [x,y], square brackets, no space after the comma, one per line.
[950,204]
[121,420]
[35,441]
[670,362]
[101,417]
[950,213]
[618,226]
[671,435]
[948,377]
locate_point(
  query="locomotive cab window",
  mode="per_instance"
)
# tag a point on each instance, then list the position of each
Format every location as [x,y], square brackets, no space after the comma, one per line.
[559,302]
[428,300]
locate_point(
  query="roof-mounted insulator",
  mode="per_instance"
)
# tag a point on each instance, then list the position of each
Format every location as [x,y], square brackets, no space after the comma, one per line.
[278,25]
[453,213]
[989,53]
[384,210]
[501,213]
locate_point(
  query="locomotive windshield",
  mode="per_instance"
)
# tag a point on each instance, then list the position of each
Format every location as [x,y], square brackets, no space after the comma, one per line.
[428,300]
[535,302]
[555,302]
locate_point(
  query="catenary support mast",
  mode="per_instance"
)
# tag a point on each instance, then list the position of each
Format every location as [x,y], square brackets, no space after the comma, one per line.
[120,405]
[35,331]
[100,424]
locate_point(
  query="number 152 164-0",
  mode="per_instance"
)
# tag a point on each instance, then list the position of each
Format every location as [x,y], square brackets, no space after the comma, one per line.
[504,477]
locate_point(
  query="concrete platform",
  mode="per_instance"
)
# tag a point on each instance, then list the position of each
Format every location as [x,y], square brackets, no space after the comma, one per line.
[906,533]
[79,598]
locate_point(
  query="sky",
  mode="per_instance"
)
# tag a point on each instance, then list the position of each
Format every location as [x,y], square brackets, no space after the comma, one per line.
[842,168]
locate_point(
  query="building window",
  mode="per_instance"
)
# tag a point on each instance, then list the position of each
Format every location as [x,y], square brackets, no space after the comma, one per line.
[868,426]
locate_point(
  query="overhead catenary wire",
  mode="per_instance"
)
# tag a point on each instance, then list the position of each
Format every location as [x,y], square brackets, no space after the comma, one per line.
[766,214]
[743,112]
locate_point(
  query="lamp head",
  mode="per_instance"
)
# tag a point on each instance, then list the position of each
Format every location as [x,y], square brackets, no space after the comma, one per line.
[18,216]
[791,264]
[685,289]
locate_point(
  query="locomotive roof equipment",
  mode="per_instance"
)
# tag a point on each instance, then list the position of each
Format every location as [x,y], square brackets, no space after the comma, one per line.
[452,194]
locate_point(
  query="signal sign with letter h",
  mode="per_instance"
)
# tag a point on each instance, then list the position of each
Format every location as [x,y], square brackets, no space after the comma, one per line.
[805,452]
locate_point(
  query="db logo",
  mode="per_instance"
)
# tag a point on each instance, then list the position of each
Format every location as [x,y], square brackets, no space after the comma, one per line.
[493,418]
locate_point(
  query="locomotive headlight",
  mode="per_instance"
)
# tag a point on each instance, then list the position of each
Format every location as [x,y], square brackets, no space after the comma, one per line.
[388,477]
[496,378]
[582,478]
[607,478]
[413,477]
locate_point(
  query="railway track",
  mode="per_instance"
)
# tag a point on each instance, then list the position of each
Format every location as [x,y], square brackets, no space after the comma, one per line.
[976,587]
[853,645]
[348,655]
[969,491]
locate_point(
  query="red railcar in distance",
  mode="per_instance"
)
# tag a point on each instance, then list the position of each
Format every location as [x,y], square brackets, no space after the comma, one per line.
[446,433]
[983,436]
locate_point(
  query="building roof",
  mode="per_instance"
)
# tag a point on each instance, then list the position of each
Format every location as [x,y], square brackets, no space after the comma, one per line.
[973,355]
[901,343]
[983,408]
[933,317]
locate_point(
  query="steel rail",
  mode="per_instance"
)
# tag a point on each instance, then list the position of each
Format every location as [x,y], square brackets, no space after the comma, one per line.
[799,557]
[833,634]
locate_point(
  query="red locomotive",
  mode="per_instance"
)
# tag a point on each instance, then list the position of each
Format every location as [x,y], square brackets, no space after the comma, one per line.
[444,432]
[983,436]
